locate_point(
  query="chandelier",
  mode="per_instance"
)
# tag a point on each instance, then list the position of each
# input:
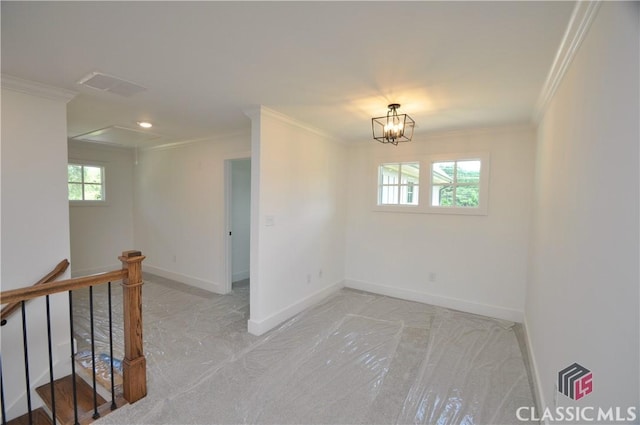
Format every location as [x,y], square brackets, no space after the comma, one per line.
[393,128]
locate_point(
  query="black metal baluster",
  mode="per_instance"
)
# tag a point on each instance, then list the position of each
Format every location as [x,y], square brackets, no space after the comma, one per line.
[26,360]
[113,389]
[53,393]
[4,413]
[96,415]
[73,362]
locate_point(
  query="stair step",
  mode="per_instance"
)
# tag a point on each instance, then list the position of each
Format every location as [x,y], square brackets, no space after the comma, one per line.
[84,368]
[63,389]
[39,417]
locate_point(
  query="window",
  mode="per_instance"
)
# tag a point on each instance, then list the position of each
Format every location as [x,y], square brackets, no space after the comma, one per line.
[455,184]
[398,183]
[448,184]
[86,182]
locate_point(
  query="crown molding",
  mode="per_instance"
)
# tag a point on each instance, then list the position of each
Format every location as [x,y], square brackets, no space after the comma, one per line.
[455,133]
[253,112]
[256,112]
[475,131]
[212,139]
[36,89]
[579,23]
[82,144]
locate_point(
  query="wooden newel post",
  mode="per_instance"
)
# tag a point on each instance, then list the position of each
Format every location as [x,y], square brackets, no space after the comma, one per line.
[134,366]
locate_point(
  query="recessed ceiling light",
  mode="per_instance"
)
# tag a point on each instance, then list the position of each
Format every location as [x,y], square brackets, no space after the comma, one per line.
[145,124]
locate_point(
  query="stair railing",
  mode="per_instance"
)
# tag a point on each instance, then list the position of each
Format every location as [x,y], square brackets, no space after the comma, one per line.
[134,381]
[9,309]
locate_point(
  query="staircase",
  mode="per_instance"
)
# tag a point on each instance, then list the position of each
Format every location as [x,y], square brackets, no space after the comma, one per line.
[95,386]
[39,417]
[65,414]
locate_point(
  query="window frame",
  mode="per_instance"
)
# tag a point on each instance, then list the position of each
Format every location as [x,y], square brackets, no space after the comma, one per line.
[88,202]
[425,183]
[483,196]
[399,185]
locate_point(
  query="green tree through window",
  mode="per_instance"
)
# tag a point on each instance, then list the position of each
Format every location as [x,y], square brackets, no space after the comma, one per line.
[85,182]
[456,183]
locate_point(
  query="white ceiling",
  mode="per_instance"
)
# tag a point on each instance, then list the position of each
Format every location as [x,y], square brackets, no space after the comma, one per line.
[333,65]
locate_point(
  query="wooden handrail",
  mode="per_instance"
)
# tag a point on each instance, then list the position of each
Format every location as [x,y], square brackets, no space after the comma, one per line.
[52,275]
[134,362]
[23,294]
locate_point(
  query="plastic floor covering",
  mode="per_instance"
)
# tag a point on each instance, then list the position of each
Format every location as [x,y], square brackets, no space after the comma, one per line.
[356,358]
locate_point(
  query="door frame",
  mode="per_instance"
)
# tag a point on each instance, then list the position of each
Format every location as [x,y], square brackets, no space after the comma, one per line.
[228,195]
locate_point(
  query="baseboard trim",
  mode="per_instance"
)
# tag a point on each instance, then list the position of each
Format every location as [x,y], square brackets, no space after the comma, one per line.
[240,276]
[94,270]
[439,300]
[259,327]
[539,396]
[207,285]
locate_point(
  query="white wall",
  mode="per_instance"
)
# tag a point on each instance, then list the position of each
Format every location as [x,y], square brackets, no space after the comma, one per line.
[240,217]
[35,225]
[179,214]
[583,291]
[479,261]
[100,232]
[297,229]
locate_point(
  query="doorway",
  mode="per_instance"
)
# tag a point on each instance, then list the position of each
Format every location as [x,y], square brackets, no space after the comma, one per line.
[238,187]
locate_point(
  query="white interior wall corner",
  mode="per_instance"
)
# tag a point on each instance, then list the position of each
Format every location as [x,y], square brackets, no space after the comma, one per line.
[115,230]
[297,224]
[583,297]
[185,244]
[395,252]
[31,114]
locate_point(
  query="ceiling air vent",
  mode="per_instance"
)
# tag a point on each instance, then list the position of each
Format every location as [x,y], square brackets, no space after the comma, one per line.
[111,84]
